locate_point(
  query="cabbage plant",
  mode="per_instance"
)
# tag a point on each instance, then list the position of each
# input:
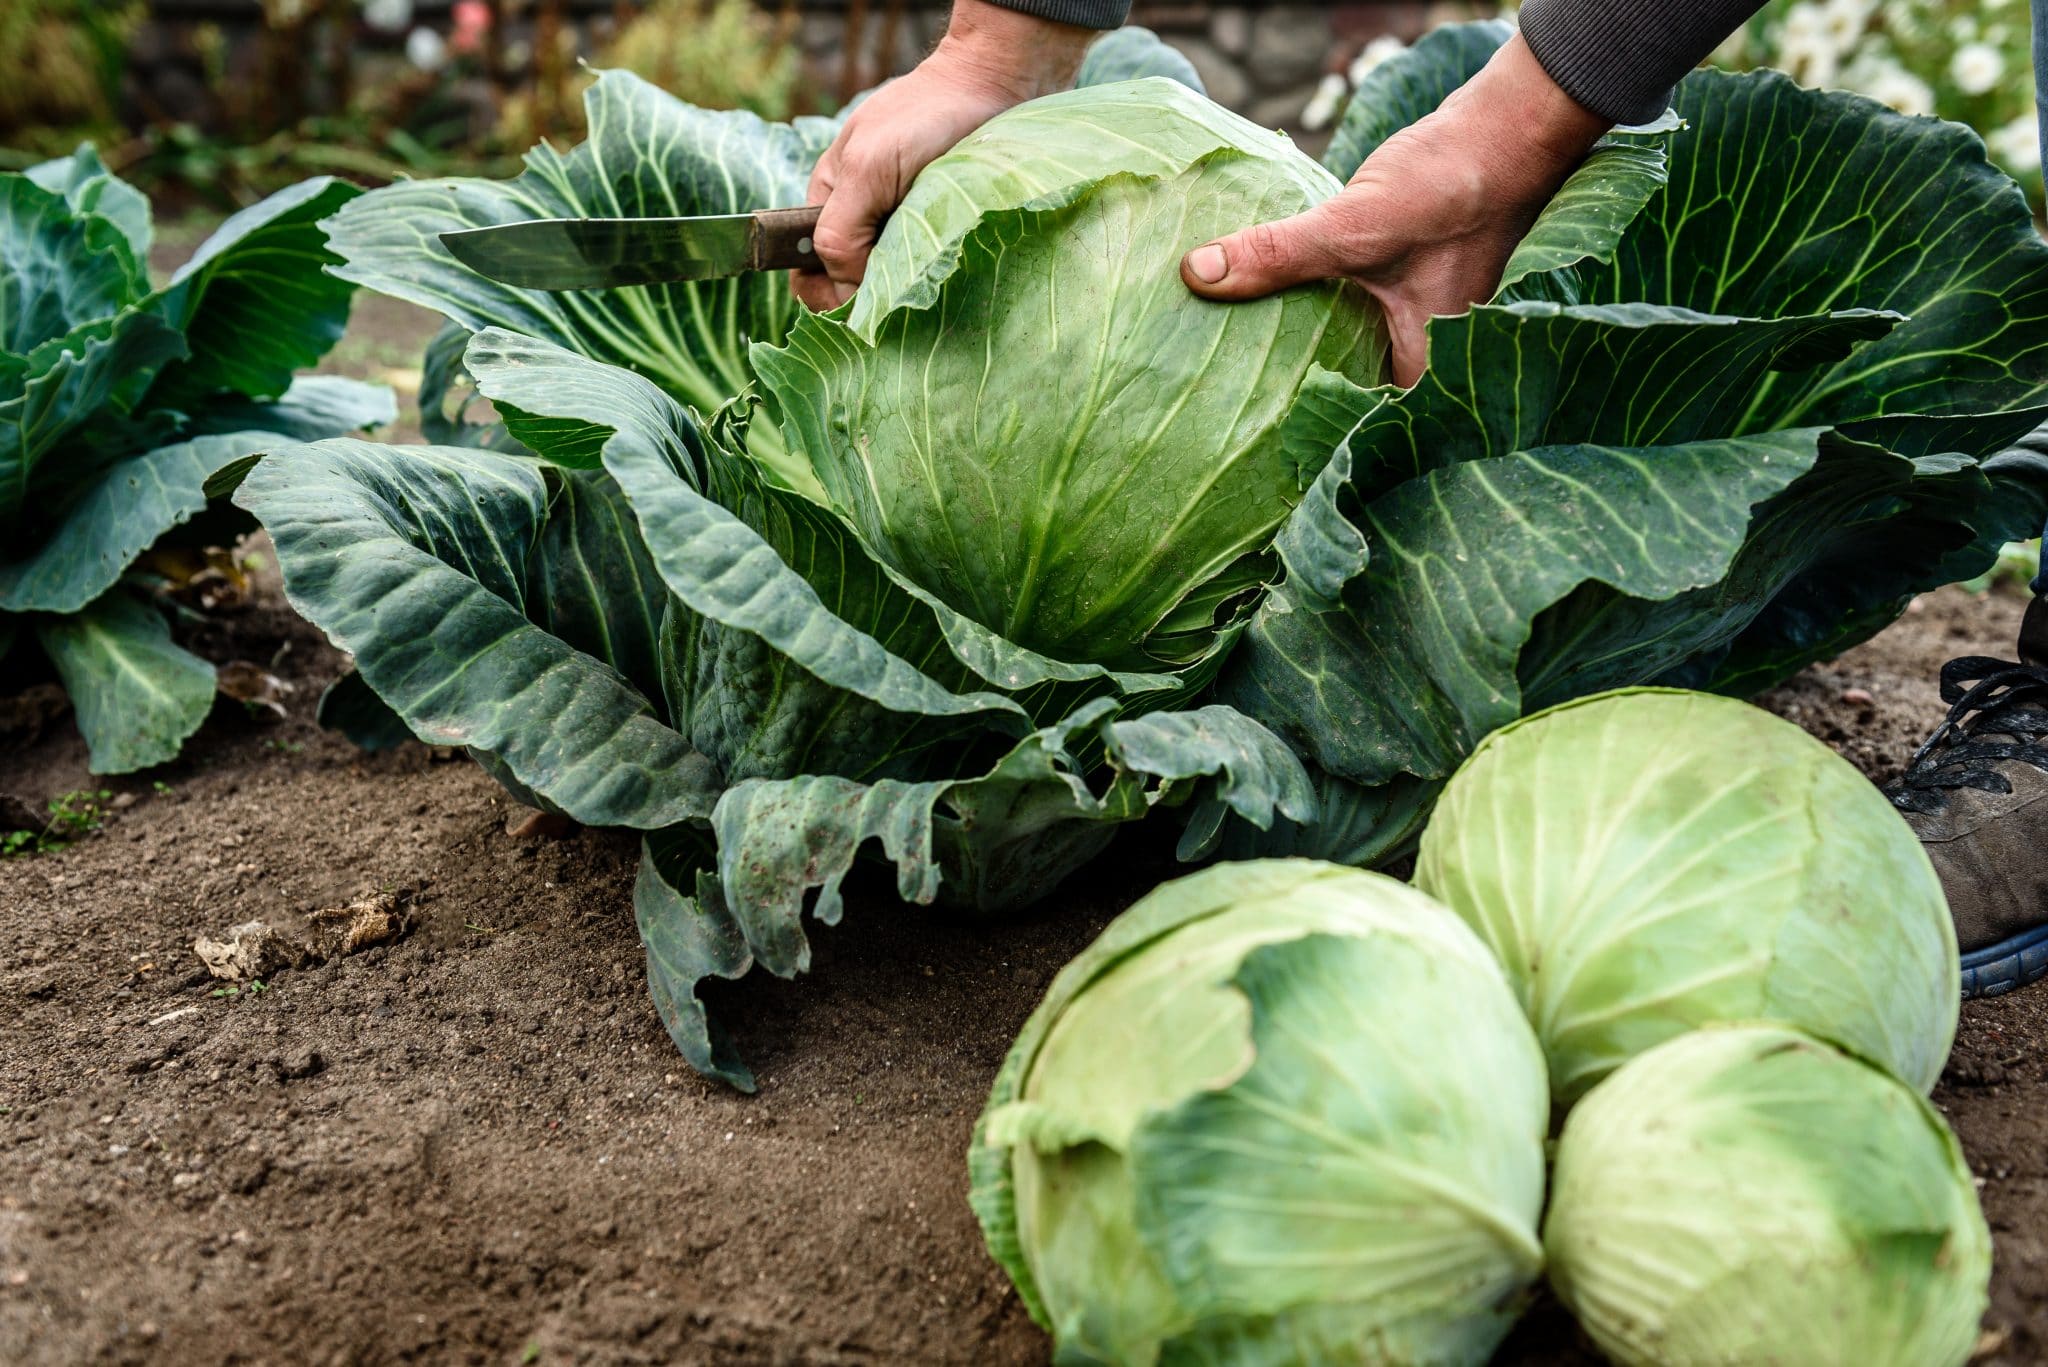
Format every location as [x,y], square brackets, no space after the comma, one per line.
[1649,861]
[1735,443]
[1748,1194]
[769,592]
[1223,1138]
[125,408]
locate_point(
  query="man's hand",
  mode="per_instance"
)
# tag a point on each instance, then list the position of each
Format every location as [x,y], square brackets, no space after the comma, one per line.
[1431,217]
[990,59]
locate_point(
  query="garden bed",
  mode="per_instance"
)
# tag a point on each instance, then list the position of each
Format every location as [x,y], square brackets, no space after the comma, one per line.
[476,1143]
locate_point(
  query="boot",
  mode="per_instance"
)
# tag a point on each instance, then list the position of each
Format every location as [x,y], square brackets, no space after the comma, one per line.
[1977,796]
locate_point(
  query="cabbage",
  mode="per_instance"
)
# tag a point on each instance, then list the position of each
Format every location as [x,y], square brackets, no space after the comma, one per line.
[1747,1194]
[1028,415]
[1223,1137]
[1648,861]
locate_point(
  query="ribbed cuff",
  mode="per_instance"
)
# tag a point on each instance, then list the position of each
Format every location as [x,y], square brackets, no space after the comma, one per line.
[1621,58]
[1079,13]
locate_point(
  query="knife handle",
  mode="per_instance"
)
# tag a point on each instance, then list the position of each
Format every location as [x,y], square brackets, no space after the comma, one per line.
[781,239]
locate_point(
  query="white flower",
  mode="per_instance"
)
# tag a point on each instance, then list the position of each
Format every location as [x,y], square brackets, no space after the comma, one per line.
[387,16]
[1322,105]
[1843,21]
[1890,83]
[1976,68]
[1964,29]
[426,49]
[2017,146]
[1376,52]
[1804,23]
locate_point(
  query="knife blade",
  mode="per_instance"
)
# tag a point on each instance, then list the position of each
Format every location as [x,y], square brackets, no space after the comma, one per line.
[606,253]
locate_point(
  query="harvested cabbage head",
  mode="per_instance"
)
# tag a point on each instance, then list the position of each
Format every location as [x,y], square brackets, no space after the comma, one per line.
[1648,861]
[1749,1194]
[1279,1111]
[1028,415]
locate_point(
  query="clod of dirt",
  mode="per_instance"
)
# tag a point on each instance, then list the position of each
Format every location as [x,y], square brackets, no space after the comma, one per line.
[256,949]
[534,825]
[252,685]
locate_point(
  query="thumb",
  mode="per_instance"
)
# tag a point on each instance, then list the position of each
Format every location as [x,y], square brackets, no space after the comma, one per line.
[1268,257]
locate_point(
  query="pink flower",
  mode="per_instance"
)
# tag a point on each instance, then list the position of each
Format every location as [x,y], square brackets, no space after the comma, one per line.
[472,20]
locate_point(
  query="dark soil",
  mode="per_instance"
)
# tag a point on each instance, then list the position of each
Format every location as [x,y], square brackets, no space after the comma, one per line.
[475,1144]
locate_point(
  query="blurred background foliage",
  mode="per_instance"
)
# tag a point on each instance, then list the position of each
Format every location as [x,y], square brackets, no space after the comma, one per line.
[213,103]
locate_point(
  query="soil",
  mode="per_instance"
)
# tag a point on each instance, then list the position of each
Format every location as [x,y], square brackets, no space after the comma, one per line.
[475,1144]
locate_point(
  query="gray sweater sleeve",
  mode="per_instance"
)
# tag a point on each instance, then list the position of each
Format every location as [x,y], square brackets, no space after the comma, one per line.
[1620,58]
[1082,13]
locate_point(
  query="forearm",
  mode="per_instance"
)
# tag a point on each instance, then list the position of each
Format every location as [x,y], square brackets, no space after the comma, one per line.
[1005,47]
[1620,58]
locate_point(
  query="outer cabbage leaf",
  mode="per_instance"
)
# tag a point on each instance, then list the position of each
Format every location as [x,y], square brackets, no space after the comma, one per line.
[1412,84]
[115,519]
[137,697]
[992,842]
[1790,201]
[433,571]
[62,268]
[255,302]
[89,187]
[1131,53]
[648,155]
[1534,520]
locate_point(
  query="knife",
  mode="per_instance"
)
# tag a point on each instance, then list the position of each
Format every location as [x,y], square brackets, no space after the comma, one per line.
[605,253]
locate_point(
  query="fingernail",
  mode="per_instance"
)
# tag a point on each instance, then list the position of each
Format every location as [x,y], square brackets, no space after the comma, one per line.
[1207,263]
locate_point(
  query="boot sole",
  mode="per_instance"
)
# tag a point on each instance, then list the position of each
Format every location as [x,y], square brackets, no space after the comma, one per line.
[2010,964]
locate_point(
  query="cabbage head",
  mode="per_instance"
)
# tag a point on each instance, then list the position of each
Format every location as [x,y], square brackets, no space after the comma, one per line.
[1749,1194]
[1224,1138]
[1026,413]
[1648,861]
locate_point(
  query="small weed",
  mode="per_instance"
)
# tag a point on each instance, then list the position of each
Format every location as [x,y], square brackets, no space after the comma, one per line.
[283,747]
[72,815]
[531,1354]
[162,788]
[254,987]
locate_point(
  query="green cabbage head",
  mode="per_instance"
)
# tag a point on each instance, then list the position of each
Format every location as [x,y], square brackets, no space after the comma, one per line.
[1223,1137]
[1748,1194]
[1648,861]
[1026,413]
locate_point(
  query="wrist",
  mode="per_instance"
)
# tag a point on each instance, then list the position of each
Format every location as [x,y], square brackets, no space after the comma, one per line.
[1539,132]
[1016,56]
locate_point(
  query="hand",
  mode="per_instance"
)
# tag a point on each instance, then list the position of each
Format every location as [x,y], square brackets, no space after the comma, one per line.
[1432,216]
[990,59]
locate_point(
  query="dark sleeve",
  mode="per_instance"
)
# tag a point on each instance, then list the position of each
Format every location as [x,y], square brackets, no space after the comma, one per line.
[1620,58]
[1081,13]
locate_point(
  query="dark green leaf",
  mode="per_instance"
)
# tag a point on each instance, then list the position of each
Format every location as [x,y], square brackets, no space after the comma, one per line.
[137,696]
[1789,201]
[648,155]
[1409,85]
[116,518]
[90,188]
[1131,53]
[59,269]
[417,560]
[256,302]
[350,706]
[314,408]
